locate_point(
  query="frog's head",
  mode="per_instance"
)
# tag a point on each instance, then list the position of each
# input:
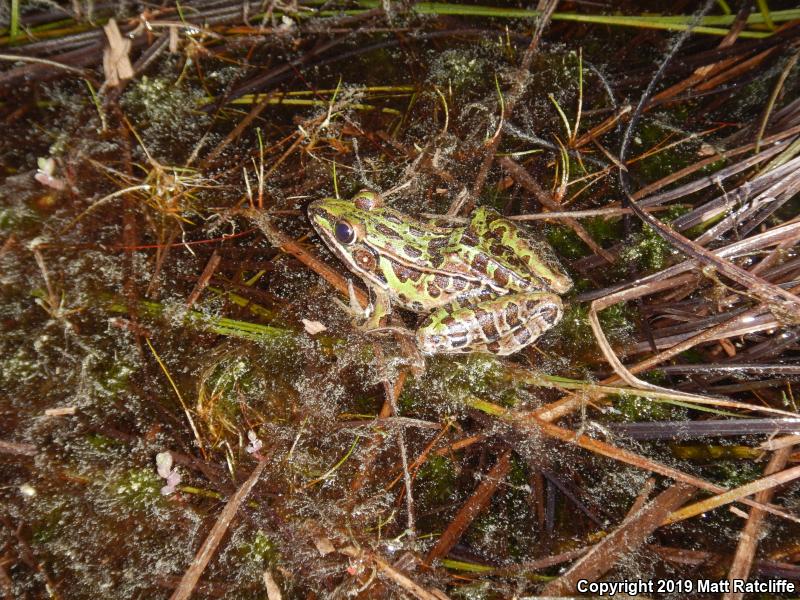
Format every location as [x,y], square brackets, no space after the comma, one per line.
[344,225]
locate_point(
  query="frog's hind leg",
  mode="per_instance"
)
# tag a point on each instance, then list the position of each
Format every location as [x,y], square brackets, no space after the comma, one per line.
[537,313]
[510,242]
[500,325]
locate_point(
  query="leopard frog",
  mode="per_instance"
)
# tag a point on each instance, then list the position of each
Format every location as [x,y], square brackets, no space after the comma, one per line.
[483,286]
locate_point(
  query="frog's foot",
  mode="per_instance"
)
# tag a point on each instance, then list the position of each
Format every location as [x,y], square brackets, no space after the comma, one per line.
[412,355]
[501,325]
[405,331]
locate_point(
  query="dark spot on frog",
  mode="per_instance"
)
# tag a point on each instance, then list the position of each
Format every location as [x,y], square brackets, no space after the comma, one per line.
[387,231]
[511,315]
[486,322]
[494,347]
[458,341]
[515,261]
[412,251]
[522,335]
[436,260]
[442,281]
[437,244]
[433,290]
[469,238]
[458,284]
[549,315]
[393,218]
[405,273]
[415,232]
[498,231]
[532,305]
[379,275]
[501,276]
[479,262]
[491,216]
[416,306]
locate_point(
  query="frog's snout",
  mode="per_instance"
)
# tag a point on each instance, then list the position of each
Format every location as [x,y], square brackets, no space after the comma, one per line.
[319,216]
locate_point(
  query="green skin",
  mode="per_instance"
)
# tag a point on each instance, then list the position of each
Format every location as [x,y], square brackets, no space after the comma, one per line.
[485,287]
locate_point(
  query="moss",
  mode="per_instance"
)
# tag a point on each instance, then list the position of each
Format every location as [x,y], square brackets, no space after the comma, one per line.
[18,368]
[137,488]
[574,336]
[480,590]
[260,549]
[656,377]
[664,162]
[233,381]
[647,250]
[49,527]
[604,230]
[692,356]
[101,442]
[459,69]
[566,242]
[436,482]
[168,122]
[637,408]
[735,473]
[448,380]
[115,379]
[366,405]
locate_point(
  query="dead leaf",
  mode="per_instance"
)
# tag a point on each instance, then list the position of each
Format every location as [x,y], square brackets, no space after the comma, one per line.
[324,545]
[728,347]
[273,591]
[63,411]
[313,327]
[116,64]
[173,40]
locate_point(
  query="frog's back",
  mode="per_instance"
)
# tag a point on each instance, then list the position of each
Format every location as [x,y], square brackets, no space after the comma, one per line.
[501,251]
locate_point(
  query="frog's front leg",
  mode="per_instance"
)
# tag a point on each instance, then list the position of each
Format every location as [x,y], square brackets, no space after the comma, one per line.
[501,325]
[379,307]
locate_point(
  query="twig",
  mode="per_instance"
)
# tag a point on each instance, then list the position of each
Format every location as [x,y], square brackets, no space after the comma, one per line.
[534,423]
[205,277]
[18,448]
[43,61]
[209,547]
[765,483]
[748,540]
[679,430]
[401,579]
[774,96]
[514,95]
[392,394]
[626,538]
[471,508]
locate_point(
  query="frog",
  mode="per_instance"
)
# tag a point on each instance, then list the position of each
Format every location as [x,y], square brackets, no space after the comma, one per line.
[480,286]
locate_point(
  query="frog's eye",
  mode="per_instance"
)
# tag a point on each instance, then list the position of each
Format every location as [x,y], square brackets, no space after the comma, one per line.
[344,232]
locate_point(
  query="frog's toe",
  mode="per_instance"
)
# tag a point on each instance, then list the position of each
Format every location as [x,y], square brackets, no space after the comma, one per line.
[389,329]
